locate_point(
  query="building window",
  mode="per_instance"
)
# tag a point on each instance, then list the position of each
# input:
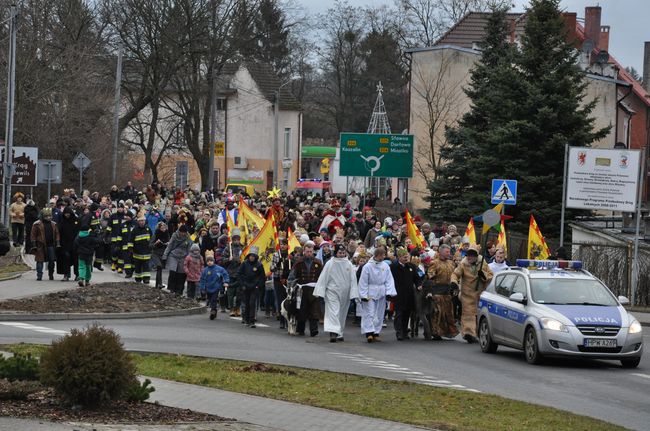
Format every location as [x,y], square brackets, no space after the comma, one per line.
[221,104]
[287,143]
[182,171]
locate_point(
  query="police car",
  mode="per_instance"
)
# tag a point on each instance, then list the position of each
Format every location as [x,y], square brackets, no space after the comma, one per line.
[557,309]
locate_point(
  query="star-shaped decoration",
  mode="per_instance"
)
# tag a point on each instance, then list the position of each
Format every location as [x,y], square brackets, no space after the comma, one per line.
[492,218]
[274,193]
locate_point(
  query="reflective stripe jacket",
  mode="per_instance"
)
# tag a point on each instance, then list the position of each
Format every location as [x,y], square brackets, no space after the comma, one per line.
[140,237]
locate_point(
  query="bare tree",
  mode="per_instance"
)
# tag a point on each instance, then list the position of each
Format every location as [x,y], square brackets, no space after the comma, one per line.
[437,103]
[427,20]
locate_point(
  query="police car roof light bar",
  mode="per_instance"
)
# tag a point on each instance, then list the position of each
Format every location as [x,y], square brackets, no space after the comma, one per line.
[549,264]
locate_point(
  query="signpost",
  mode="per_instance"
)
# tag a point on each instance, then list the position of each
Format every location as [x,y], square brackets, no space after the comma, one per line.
[219,149]
[376,155]
[25,162]
[51,172]
[599,179]
[81,162]
[605,179]
[504,192]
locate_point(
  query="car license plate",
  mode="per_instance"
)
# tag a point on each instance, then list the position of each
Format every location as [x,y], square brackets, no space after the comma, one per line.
[600,342]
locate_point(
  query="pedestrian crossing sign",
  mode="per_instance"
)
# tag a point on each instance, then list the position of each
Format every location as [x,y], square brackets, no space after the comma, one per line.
[504,192]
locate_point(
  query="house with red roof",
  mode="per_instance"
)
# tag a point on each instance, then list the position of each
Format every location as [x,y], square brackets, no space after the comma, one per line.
[440,72]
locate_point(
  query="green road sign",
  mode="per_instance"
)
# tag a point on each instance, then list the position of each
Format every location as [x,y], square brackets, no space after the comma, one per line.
[376,155]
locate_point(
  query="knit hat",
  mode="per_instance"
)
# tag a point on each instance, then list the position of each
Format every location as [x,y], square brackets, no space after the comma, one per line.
[236,233]
[253,250]
[195,247]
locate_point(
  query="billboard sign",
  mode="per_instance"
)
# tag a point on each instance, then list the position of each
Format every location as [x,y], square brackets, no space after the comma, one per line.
[600,179]
[25,160]
[376,155]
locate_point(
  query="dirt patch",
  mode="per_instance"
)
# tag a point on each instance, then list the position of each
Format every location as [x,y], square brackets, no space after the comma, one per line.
[101,298]
[263,368]
[46,405]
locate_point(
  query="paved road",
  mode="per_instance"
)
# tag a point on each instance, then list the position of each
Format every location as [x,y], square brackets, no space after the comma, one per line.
[599,389]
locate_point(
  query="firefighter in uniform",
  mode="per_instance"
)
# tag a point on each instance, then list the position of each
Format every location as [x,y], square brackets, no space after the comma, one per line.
[114,230]
[141,236]
[127,243]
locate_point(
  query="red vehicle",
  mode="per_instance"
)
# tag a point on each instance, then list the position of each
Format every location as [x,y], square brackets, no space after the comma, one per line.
[314,186]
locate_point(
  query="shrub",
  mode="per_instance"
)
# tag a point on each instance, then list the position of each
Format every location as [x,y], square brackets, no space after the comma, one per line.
[139,393]
[88,367]
[19,367]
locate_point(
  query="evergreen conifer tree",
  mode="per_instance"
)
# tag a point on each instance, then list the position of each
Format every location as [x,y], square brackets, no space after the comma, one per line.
[526,104]
[556,113]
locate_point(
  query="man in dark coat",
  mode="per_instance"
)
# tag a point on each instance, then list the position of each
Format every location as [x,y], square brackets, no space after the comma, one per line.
[252,278]
[406,279]
[307,271]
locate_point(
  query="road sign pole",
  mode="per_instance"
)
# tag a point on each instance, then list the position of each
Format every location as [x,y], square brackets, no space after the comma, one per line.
[49,180]
[635,262]
[81,177]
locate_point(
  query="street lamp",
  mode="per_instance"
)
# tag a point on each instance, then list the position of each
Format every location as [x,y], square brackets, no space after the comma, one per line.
[276,114]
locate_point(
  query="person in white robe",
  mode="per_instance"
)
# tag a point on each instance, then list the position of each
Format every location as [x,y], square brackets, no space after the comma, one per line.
[337,284]
[375,284]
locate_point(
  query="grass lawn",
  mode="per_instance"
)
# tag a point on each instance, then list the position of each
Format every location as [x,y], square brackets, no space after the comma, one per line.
[12,263]
[405,402]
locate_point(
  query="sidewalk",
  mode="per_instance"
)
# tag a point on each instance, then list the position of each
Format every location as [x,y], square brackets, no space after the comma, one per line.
[27,285]
[276,414]
[643,318]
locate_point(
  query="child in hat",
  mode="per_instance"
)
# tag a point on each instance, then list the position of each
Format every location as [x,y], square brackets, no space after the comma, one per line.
[214,279]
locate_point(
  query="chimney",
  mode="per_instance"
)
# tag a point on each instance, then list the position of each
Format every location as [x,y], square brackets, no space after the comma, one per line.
[570,19]
[646,66]
[592,23]
[603,42]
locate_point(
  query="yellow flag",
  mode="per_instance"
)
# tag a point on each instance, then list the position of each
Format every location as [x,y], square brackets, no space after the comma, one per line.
[470,232]
[502,241]
[537,248]
[249,215]
[292,241]
[414,233]
[266,242]
[230,224]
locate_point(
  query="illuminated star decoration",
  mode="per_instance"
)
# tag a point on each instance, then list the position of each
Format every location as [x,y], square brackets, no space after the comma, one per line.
[274,193]
[492,218]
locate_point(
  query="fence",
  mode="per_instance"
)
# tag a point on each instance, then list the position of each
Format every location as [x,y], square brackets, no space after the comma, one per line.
[611,263]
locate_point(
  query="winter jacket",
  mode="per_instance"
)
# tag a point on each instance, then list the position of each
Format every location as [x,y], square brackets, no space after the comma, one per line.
[85,243]
[176,251]
[193,267]
[252,274]
[212,279]
[38,240]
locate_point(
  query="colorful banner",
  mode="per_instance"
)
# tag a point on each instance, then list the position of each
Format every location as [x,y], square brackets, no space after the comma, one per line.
[537,248]
[414,233]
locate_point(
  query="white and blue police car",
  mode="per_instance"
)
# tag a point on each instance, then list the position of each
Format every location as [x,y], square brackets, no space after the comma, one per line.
[555,308]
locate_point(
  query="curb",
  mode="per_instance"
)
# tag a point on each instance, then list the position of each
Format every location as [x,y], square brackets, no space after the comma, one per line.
[12,276]
[5,317]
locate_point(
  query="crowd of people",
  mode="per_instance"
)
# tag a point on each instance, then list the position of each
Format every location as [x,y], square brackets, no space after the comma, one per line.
[346,260]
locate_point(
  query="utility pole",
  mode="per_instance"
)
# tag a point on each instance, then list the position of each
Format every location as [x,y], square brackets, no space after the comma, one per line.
[213,108]
[9,132]
[276,118]
[116,113]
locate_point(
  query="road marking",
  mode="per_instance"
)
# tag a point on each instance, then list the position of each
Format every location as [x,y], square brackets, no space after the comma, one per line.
[413,376]
[42,329]
[645,376]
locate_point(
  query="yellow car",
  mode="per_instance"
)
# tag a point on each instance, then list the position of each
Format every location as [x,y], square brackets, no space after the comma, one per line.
[235,188]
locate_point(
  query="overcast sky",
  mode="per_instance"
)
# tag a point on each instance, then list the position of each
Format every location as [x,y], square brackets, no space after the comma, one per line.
[628,20]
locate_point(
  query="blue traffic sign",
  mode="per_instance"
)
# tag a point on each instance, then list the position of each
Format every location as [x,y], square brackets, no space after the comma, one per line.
[504,192]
